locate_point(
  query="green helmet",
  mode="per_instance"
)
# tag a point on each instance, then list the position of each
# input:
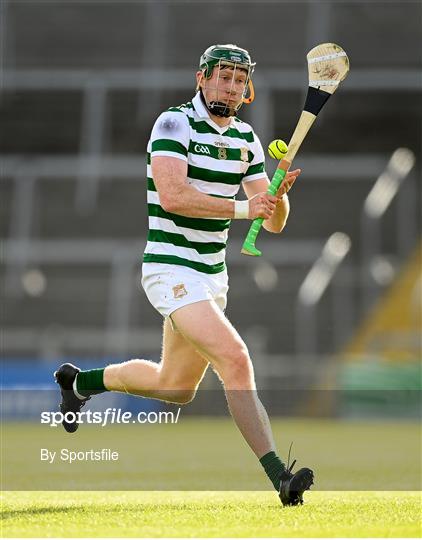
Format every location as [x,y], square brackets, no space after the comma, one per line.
[227,55]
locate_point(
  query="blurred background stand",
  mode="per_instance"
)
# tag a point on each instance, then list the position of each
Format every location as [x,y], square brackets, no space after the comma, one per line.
[82,83]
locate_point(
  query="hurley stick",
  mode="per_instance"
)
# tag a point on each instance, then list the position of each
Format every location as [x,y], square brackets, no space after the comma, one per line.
[328,65]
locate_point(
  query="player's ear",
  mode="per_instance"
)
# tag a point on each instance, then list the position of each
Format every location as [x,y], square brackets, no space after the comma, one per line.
[199,78]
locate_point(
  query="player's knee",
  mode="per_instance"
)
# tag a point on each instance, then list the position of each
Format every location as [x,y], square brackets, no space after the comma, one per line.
[182,397]
[187,396]
[238,366]
[177,389]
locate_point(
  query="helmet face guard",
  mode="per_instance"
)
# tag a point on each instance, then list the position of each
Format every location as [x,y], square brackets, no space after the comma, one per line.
[234,58]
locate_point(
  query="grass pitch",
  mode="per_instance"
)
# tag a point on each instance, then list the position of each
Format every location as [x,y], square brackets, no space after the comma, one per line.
[209,514]
[352,462]
[209,454]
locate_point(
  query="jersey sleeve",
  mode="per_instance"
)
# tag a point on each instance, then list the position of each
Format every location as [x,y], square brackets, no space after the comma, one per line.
[170,136]
[256,168]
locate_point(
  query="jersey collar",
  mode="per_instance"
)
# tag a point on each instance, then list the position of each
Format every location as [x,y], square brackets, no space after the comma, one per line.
[204,114]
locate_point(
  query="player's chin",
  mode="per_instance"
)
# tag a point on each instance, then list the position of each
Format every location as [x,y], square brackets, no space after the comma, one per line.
[234,105]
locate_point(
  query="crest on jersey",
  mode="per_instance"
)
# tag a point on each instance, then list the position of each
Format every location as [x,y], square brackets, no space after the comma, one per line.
[179,291]
[244,154]
[222,153]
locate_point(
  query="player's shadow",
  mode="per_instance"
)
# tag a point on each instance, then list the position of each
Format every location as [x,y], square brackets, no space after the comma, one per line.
[64,509]
[39,511]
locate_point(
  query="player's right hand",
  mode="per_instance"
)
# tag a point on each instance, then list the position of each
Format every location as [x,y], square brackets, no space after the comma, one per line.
[262,205]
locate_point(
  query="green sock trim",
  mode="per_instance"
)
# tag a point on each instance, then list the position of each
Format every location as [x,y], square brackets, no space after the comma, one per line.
[273,466]
[90,382]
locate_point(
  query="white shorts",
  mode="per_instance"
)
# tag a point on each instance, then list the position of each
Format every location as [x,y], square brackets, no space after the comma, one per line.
[170,286]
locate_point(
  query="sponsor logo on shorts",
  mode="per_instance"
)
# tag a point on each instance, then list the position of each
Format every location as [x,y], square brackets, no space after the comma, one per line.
[179,291]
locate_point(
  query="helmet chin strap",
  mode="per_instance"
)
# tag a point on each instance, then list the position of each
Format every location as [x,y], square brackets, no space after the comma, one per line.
[218,108]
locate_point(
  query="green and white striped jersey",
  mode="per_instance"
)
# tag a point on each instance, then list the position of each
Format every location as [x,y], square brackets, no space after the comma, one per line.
[219,160]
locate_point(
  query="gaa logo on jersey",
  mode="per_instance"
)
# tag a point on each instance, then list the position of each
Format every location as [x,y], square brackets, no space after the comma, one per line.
[244,154]
[201,149]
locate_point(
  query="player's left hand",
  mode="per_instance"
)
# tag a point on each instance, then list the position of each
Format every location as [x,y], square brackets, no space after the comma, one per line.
[288,182]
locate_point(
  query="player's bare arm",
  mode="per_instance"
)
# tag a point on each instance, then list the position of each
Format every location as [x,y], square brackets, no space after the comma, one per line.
[178,197]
